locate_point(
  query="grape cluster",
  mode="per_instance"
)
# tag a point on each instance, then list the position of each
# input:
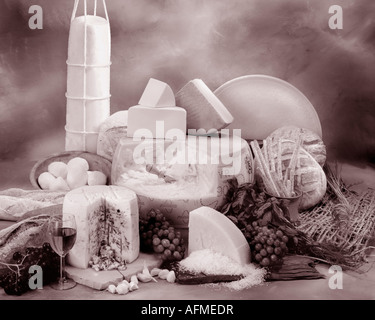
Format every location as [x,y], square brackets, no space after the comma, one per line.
[268,244]
[15,278]
[157,235]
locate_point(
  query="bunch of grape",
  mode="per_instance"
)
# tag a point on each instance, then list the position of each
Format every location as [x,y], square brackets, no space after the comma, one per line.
[268,244]
[157,235]
[15,280]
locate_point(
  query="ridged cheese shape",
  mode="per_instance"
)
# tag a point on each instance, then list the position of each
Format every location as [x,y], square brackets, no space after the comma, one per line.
[210,229]
[204,109]
[157,94]
[107,213]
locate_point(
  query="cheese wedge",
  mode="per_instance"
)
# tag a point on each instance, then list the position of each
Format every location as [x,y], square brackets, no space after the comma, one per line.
[157,94]
[210,229]
[204,109]
[106,213]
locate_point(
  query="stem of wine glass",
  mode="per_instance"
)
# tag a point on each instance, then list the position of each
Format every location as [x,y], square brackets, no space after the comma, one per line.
[61,270]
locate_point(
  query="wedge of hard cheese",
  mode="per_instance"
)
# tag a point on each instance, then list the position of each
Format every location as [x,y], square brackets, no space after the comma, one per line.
[103,213]
[157,94]
[204,109]
[210,229]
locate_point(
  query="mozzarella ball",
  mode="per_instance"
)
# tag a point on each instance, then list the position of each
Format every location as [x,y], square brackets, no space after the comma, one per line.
[58,169]
[95,178]
[78,162]
[59,184]
[45,179]
[76,178]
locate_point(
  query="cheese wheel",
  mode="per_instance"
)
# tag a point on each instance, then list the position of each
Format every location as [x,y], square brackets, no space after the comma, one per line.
[193,184]
[210,229]
[106,213]
[111,131]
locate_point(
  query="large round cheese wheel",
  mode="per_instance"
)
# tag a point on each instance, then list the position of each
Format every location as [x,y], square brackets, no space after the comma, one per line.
[193,185]
[260,104]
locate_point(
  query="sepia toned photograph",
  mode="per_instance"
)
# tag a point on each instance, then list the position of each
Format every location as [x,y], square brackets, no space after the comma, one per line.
[201,151]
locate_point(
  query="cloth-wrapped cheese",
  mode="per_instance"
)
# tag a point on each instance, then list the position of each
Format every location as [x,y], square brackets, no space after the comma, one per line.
[88,81]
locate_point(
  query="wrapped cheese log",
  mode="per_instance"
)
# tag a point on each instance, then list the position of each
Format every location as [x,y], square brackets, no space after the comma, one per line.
[88,79]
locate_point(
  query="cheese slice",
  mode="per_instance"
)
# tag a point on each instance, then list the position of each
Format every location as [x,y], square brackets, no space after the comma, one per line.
[204,109]
[106,213]
[157,94]
[210,229]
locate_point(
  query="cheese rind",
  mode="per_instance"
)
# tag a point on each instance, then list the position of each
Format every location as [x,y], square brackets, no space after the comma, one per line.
[157,94]
[111,131]
[210,229]
[106,213]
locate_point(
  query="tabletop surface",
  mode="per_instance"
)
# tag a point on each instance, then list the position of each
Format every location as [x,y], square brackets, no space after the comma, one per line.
[15,174]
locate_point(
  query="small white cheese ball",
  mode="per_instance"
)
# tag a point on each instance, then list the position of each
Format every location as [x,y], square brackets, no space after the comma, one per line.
[95,178]
[58,169]
[59,184]
[45,179]
[78,162]
[76,177]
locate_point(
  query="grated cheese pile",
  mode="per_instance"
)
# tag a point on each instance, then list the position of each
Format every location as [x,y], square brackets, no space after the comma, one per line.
[214,263]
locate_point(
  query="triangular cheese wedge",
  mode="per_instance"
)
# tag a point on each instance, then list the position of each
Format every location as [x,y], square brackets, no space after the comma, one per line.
[210,229]
[157,94]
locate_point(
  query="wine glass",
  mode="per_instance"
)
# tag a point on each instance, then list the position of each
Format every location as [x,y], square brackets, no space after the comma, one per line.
[62,230]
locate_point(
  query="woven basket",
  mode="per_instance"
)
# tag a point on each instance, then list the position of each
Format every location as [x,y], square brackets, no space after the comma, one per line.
[345,222]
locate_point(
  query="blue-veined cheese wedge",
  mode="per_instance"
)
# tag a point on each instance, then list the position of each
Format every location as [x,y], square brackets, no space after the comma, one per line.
[210,229]
[108,213]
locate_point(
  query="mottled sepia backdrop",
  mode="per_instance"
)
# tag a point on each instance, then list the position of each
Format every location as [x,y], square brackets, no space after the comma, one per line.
[179,40]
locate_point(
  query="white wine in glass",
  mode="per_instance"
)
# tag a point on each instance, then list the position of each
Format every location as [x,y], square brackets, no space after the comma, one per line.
[62,231]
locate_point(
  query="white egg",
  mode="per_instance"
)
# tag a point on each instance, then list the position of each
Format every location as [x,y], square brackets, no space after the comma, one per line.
[95,178]
[59,184]
[45,179]
[58,169]
[76,177]
[78,162]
